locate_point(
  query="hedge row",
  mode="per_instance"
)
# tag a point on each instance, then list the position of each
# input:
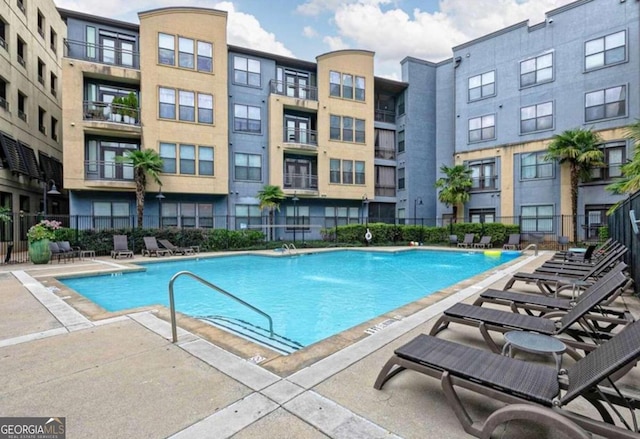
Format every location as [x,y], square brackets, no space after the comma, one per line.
[383,233]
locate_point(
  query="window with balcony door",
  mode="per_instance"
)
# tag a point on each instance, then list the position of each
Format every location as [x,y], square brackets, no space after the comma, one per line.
[103,159]
[614,157]
[483,175]
[385,143]
[300,174]
[385,181]
[298,130]
[116,48]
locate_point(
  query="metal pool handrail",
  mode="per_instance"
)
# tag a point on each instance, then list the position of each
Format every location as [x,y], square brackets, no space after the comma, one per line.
[174,331]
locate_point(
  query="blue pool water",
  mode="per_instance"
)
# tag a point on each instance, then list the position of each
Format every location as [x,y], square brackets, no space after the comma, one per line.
[309,296]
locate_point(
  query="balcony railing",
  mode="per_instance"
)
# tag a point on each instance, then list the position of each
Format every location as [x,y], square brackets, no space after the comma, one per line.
[107,112]
[385,116]
[22,62]
[107,170]
[303,137]
[385,153]
[22,115]
[294,90]
[4,104]
[41,79]
[385,191]
[4,44]
[101,54]
[300,181]
[484,183]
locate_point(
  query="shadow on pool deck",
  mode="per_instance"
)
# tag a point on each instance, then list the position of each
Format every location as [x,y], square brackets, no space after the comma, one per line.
[122,377]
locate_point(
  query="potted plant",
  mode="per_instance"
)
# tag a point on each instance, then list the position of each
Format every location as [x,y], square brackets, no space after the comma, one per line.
[39,237]
[130,104]
[117,108]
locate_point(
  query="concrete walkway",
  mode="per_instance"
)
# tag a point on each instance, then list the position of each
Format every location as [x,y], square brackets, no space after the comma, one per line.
[121,377]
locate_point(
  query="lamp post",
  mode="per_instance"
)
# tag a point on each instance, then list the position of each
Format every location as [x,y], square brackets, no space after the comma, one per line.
[52,191]
[160,197]
[417,202]
[365,213]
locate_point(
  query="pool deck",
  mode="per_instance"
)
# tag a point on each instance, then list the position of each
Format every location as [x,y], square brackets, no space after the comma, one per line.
[120,376]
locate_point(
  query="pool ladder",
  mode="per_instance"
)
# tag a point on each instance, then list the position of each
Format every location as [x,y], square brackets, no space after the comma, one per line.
[289,247]
[174,330]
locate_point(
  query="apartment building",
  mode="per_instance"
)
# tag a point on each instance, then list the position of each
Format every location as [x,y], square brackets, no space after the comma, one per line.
[226,121]
[31,36]
[501,98]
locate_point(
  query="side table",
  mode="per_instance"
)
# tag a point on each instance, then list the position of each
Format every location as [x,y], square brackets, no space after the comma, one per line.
[534,343]
[91,254]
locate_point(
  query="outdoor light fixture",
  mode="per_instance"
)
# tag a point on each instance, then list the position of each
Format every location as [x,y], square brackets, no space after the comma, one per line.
[46,190]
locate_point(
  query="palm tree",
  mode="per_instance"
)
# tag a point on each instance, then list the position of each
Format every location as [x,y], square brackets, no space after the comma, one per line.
[630,182]
[454,186]
[270,198]
[145,163]
[579,149]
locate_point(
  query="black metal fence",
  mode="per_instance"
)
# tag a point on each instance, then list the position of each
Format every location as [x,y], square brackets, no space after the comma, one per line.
[545,231]
[621,229]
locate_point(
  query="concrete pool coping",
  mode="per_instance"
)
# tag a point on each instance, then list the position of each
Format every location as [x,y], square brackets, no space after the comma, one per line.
[331,398]
[274,361]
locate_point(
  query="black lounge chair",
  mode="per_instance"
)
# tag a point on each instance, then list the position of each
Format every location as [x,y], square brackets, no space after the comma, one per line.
[531,303]
[59,253]
[121,247]
[67,248]
[532,391]
[467,241]
[548,279]
[175,250]
[590,325]
[513,243]
[152,248]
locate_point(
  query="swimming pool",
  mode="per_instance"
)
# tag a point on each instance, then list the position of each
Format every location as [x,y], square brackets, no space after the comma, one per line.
[309,296]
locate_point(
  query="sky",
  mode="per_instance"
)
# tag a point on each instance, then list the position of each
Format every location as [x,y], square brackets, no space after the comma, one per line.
[304,29]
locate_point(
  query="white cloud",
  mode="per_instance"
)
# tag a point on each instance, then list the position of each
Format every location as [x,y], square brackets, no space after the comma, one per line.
[309,32]
[394,34]
[335,43]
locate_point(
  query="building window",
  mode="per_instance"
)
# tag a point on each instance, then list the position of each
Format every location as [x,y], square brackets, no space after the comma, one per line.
[614,158]
[185,53]
[402,216]
[3,34]
[248,215]
[360,172]
[385,184]
[536,118]
[246,71]
[41,71]
[537,218]
[41,118]
[21,6]
[22,52]
[360,88]
[341,216]
[483,175]
[347,86]
[401,104]
[482,128]
[334,84]
[247,118]
[91,37]
[167,103]
[605,51]
[400,178]
[482,216]
[41,24]
[53,40]
[536,70]
[205,56]
[298,216]
[533,165]
[342,128]
[605,104]
[111,215]
[205,160]
[166,49]
[347,172]
[22,106]
[187,215]
[401,141]
[205,108]
[168,156]
[187,106]
[334,171]
[482,86]
[54,128]
[187,159]
[53,79]
[248,167]
[595,219]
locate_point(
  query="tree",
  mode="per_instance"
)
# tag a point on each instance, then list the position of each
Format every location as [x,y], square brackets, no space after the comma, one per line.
[629,183]
[454,186]
[145,163]
[270,198]
[579,148]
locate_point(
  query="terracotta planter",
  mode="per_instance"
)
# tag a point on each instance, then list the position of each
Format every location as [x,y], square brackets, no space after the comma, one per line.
[39,251]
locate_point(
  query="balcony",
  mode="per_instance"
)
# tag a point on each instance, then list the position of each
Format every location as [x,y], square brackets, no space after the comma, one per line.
[300,181]
[301,138]
[107,112]
[297,91]
[385,191]
[107,170]
[385,153]
[385,116]
[480,184]
[101,54]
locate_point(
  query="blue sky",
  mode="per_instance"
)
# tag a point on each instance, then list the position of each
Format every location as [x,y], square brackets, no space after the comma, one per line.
[304,29]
